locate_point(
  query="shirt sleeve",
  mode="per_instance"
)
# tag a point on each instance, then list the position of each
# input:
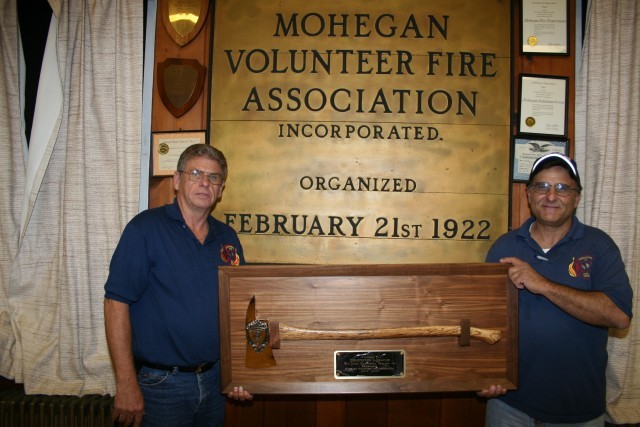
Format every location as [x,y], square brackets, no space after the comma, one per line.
[611,277]
[129,266]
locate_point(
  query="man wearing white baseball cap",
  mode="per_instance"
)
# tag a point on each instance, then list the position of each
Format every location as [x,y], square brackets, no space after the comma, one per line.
[573,287]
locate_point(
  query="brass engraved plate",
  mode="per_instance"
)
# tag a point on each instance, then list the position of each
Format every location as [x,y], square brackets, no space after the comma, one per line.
[360,364]
[401,150]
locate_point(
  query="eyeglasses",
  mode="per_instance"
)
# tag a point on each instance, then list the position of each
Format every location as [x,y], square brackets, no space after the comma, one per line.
[197,175]
[562,190]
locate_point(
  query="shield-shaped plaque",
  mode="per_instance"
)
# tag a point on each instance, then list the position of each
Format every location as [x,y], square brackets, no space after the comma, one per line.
[183,19]
[180,83]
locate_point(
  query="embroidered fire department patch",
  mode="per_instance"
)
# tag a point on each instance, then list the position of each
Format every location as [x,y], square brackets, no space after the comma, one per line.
[229,255]
[581,267]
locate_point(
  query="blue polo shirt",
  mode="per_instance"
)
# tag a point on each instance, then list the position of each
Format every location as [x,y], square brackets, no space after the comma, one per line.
[562,360]
[170,281]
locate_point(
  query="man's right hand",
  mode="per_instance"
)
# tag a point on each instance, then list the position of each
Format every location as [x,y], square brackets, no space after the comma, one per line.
[128,407]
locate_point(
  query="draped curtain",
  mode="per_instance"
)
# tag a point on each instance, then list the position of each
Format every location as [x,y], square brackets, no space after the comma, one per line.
[67,199]
[12,170]
[608,152]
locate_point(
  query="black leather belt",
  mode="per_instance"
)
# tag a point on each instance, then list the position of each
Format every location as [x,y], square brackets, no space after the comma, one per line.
[198,369]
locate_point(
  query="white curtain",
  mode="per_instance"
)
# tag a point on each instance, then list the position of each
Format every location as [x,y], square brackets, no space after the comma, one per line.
[608,151]
[12,169]
[80,188]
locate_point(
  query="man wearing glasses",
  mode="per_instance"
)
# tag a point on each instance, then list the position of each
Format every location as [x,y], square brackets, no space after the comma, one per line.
[573,287]
[161,302]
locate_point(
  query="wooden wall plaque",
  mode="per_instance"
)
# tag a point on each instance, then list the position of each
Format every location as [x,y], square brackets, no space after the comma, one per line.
[371,297]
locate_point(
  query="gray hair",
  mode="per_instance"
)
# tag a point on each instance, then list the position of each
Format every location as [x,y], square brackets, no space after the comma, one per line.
[203,150]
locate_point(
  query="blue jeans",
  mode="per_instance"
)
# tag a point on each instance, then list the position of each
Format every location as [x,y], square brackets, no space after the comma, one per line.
[176,399]
[499,414]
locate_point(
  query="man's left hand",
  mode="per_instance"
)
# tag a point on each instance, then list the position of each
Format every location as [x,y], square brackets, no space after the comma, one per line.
[239,393]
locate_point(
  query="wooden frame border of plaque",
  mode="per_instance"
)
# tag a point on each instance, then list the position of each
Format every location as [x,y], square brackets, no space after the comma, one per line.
[459,305]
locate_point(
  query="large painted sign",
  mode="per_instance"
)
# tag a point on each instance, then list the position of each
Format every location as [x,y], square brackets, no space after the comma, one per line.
[363,131]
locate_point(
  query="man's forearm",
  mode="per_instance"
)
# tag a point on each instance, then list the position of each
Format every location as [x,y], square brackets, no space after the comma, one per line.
[118,332]
[594,308]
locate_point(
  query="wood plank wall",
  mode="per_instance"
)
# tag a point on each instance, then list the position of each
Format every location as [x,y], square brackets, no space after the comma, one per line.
[434,409]
[544,65]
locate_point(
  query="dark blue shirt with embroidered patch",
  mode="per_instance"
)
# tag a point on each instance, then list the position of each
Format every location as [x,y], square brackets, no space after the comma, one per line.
[170,281]
[562,360]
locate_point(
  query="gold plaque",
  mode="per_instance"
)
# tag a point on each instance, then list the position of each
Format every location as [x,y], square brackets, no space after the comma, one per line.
[183,19]
[533,40]
[384,170]
[530,121]
[180,83]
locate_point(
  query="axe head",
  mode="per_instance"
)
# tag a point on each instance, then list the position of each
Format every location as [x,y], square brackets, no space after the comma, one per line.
[259,353]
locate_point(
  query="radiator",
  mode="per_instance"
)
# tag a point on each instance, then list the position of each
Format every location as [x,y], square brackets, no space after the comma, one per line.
[20,410]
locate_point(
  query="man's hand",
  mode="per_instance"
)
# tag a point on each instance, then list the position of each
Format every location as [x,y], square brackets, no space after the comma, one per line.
[492,391]
[239,393]
[128,407]
[595,308]
[524,276]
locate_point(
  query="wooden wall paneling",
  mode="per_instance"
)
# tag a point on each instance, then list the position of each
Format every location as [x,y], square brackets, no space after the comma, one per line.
[420,410]
[160,191]
[367,410]
[462,410]
[199,49]
[294,411]
[477,408]
[554,65]
[330,412]
[241,414]
[519,205]
[161,188]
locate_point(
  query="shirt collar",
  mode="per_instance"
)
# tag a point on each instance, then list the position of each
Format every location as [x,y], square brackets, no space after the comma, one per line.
[575,232]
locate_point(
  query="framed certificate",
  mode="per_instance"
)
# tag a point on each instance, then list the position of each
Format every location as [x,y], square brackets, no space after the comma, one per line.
[544,27]
[168,146]
[528,150]
[543,105]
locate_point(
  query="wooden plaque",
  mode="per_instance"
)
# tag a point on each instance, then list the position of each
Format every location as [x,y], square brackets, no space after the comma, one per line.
[371,297]
[180,83]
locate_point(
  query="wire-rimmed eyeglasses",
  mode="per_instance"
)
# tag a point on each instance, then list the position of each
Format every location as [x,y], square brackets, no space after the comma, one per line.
[196,175]
[562,190]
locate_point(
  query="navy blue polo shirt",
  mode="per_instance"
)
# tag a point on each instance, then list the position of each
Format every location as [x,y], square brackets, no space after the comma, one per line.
[562,360]
[170,281]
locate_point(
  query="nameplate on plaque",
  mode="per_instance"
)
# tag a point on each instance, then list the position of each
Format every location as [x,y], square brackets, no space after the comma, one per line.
[364,364]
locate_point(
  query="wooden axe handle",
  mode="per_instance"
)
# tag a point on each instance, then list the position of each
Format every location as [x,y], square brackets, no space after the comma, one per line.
[283,332]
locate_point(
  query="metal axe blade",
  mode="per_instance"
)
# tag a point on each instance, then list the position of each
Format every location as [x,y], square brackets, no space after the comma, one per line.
[258,351]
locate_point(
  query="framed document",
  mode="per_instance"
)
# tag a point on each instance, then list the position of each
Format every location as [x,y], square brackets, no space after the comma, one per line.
[544,27]
[543,105]
[528,150]
[167,147]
